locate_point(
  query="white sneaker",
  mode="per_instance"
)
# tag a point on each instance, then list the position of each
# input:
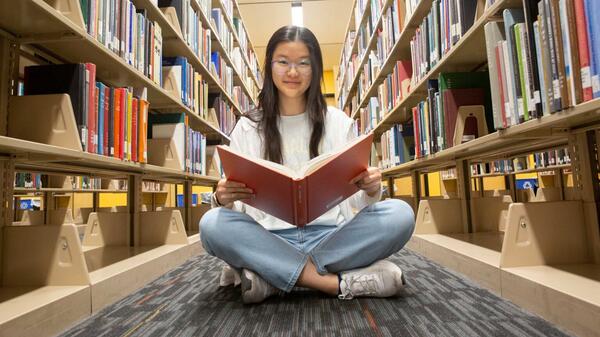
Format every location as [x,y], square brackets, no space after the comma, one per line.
[381,279]
[229,276]
[254,288]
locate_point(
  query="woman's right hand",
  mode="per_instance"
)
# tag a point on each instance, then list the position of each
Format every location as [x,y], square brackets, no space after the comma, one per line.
[229,191]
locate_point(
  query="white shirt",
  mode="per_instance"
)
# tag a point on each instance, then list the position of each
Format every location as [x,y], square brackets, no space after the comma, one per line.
[295,133]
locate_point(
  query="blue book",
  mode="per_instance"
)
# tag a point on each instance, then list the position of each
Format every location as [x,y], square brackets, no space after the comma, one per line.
[512,16]
[593,25]
[215,58]
[100,122]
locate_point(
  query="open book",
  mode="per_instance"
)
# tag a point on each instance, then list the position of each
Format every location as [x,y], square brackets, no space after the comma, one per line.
[299,197]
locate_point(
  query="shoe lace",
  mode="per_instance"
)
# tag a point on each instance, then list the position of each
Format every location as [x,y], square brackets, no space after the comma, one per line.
[360,285]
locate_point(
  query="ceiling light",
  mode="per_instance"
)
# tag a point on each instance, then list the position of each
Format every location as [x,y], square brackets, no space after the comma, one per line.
[297,19]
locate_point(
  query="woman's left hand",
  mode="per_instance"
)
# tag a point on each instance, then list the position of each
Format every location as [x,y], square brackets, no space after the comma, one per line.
[368,181]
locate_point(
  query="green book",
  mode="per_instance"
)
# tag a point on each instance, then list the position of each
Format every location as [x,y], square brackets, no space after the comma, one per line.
[522,58]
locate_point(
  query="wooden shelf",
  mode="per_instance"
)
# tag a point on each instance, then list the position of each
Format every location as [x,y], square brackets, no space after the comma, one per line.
[206,21]
[537,133]
[48,158]
[174,45]
[532,170]
[71,43]
[371,44]
[76,190]
[236,39]
[354,48]
[465,55]
[400,51]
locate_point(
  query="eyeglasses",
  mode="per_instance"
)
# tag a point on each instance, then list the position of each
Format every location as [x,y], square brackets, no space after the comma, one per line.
[281,67]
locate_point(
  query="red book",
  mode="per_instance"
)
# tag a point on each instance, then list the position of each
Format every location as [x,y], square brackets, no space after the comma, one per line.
[416,131]
[453,100]
[92,108]
[584,50]
[299,197]
[123,118]
[106,104]
[134,129]
[404,76]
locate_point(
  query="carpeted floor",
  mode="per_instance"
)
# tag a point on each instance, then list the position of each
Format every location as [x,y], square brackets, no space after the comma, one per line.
[188,302]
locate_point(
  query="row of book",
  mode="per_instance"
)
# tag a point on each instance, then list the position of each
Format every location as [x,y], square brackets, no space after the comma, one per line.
[111,121]
[435,118]
[393,21]
[29,180]
[387,36]
[538,160]
[127,31]
[190,145]
[199,37]
[397,145]
[195,95]
[442,28]
[543,58]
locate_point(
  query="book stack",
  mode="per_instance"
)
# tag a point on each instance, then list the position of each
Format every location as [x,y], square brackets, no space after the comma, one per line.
[241,99]
[224,112]
[394,87]
[190,145]
[435,118]
[397,145]
[126,31]
[442,28]
[194,35]
[189,83]
[222,30]
[29,180]
[537,160]
[111,121]
[220,69]
[86,183]
[543,58]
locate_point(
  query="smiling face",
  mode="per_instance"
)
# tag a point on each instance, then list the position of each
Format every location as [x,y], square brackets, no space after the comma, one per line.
[292,81]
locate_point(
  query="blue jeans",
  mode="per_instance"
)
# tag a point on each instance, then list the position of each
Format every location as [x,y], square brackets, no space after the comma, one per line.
[279,256]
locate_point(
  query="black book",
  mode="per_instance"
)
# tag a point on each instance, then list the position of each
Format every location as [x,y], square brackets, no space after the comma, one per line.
[61,79]
[468,11]
[178,5]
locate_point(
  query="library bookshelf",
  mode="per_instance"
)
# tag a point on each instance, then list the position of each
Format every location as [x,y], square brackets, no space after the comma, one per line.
[540,250]
[56,267]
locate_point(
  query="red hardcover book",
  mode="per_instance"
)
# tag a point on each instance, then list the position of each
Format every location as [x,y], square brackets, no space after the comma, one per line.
[123,117]
[415,112]
[134,129]
[453,100]
[92,105]
[584,50]
[299,197]
[106,104]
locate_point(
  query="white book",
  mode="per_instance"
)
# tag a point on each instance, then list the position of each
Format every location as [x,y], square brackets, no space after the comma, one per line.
[514,118]
[494,32]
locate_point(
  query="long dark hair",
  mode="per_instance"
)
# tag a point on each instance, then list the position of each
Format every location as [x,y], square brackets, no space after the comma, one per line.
[267,113]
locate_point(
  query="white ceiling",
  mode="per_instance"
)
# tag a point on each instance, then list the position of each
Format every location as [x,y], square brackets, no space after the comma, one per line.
[327,19]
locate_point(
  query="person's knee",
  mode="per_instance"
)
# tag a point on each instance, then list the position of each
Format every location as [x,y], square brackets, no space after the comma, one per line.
[400,221]
[209,226]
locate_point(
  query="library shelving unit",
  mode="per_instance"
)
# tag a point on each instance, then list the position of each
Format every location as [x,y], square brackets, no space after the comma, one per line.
[539,250]
[50,277]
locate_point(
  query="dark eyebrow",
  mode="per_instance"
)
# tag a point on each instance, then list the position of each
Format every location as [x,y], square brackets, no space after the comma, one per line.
[286,57]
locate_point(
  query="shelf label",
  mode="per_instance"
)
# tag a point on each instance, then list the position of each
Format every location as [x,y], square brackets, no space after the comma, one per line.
[586,77]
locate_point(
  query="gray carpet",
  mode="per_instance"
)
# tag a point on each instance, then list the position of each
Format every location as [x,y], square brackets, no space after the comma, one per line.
[188,302]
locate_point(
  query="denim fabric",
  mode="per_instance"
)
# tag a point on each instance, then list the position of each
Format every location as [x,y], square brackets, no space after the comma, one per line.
[279,256]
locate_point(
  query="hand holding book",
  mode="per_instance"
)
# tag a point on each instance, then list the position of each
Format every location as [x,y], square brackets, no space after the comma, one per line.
[368,181]
[229,191]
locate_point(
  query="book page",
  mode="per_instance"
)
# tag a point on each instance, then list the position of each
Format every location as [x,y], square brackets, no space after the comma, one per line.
[317,162]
